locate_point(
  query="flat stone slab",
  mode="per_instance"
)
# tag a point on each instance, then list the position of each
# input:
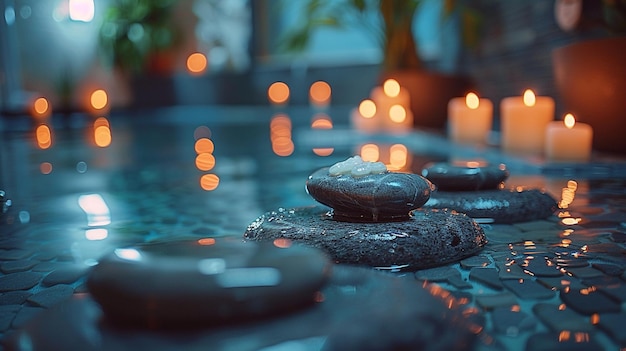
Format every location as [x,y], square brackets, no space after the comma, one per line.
[206,281]
[429,238]
[356,308]
[496,206]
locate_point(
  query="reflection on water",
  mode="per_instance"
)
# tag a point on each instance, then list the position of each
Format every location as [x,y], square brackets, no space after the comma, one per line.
[396,157]
[102,132]
[324,122]
[43,135]
[280,135]
[205,161]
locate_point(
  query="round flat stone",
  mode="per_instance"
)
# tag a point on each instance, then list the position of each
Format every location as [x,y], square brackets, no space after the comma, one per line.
[466,176]
[357,308]
[206,281]
[496,206]
[429,238]
[372,198]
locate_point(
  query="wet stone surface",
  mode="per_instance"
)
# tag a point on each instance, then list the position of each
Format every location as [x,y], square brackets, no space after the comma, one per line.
[496,206]
[346,314]
[381,197]
[430,238]
[451,177]
[218,281]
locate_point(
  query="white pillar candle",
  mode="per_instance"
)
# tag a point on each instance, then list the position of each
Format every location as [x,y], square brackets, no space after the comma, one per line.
[524,121]
[390,94]
[469,119]
[568,140]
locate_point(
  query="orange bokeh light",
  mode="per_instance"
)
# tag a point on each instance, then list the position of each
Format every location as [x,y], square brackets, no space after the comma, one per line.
[196,63]
[320,93]
[206,241]
[205,161]
[102,136]
[391,87]
[323,151]
[204,145]
[44,136]
[322,122]
[397,113]
[367,108]
[41,107]
[370,152]
[209,182]
[99,99]
[278,93]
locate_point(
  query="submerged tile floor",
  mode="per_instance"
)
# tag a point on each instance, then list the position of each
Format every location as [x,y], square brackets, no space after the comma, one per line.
[554,284]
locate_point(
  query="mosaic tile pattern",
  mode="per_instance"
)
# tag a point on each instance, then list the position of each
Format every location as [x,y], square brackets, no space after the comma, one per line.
[554,284]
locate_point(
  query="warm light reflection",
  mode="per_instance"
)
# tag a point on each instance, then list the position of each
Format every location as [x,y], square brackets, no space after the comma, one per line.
[564,335]
[204,145]
[570,221]
[41,107]
[397,113]
[81,10]
[102,136]
[128,254]
[391,87]
[101,121]
[44,136]
[398,156]
[282,243]
[196,63]
[370,152]
[206,241]
[96,234]
[367,108]
[322,122]
[45,168]
[529,98]
[569,121]
[99,99]
[472,101]
[278,93]
[320,93]
[205,161]
[595,319]
[280,135]
[209,182]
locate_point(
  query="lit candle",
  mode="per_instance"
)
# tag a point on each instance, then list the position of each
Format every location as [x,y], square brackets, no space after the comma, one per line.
[364,118]
[568,140]
[469,119]
[390,94]
[400,119]
[524,121]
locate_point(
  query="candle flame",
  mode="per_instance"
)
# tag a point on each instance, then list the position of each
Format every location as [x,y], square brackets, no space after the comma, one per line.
[397,113]
[529,98]
[367,108]
[278,93]
[472,101]
[569,121]
[99,99]
[391,87]
[41,106]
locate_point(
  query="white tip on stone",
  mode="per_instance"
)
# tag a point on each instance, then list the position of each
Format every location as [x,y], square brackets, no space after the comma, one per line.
[356,167]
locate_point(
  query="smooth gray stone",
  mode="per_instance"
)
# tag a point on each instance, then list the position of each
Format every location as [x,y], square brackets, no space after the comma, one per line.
[206,281]
[51,296]
[429,238]
[372,198]
[19,281]
[450,177]
[497,206]
[356,309]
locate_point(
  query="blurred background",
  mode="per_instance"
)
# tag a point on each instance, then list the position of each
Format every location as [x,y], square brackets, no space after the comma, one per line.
[151,53]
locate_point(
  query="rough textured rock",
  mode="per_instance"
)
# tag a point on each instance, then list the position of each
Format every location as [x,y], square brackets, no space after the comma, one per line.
[451,177]
[358,309]
[429,238]
[208,281]
[497,206]
[372,198]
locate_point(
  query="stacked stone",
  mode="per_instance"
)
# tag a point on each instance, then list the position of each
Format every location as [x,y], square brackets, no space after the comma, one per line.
[478,192]
[373,217]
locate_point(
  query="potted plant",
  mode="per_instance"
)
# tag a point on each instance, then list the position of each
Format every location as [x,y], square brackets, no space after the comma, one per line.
[137,35]
[429,91]
[590,75]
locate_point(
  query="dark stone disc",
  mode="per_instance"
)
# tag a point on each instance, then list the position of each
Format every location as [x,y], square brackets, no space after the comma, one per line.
[429,238]
[497,206]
